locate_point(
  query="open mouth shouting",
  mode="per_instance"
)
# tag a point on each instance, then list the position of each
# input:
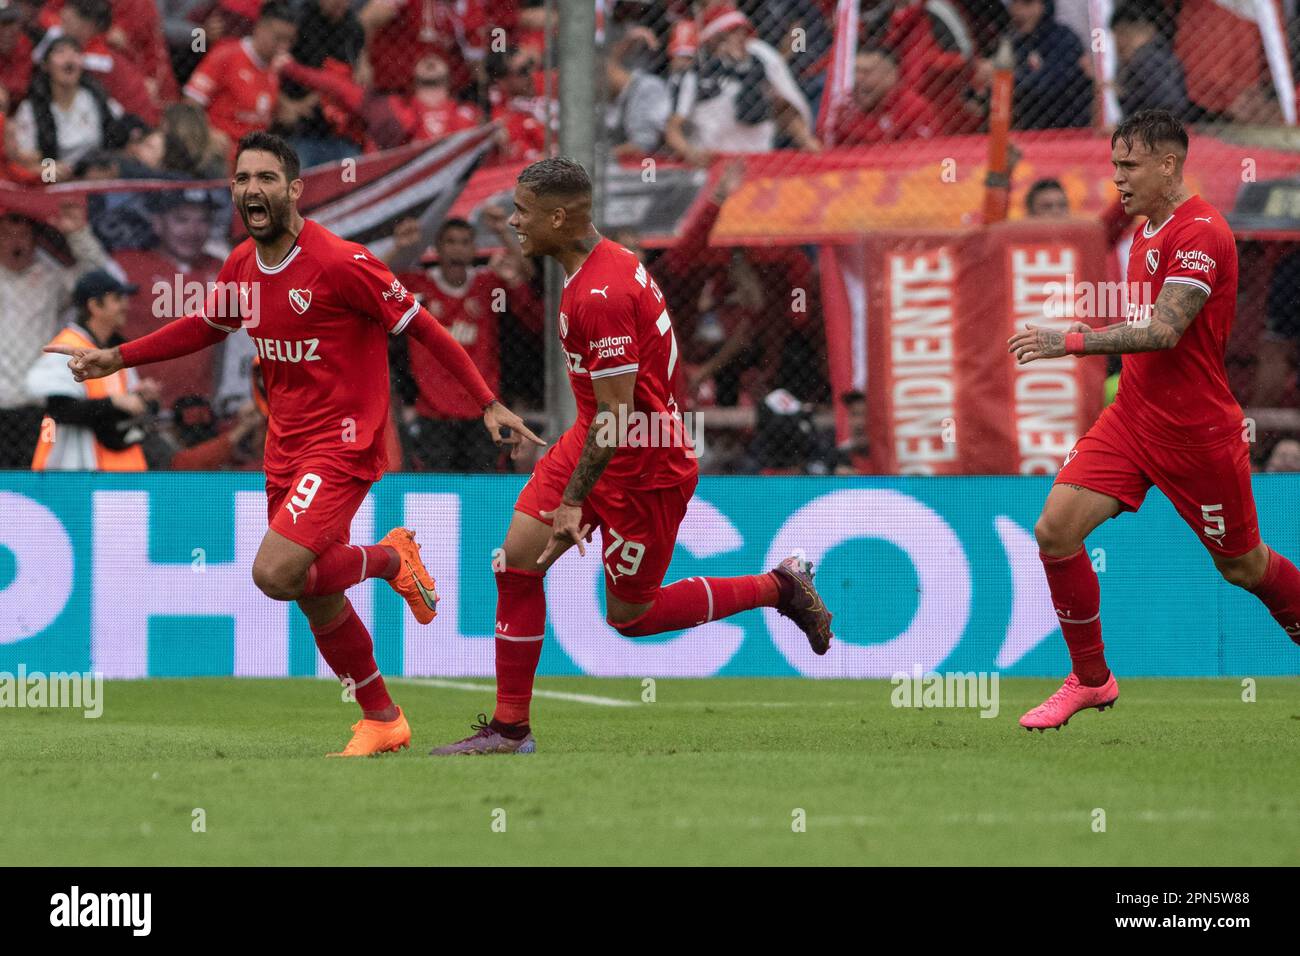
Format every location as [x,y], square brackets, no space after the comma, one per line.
[257,214]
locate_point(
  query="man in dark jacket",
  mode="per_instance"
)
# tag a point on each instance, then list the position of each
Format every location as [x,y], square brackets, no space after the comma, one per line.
[1051,88]
[1150,75]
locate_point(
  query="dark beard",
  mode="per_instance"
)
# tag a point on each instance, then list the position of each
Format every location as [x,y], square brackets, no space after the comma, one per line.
[277,223]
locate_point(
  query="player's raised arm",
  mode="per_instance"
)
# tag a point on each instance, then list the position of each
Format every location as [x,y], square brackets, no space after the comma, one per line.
[179,337]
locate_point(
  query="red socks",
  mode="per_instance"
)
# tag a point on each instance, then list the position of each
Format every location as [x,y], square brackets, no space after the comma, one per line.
[346,646]
[1279,589]
[341,566]
[1076,595]
[693,601]
[521,625]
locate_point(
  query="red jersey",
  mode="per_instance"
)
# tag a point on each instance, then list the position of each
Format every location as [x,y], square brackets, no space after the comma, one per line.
[319,321]
[418,28]
[471,313]
[160,301]
[121,79]
[435,122]
[525,132]
[1180,396]
[902,114]
[16,68]
[236,87]
[141,26]
[613,320]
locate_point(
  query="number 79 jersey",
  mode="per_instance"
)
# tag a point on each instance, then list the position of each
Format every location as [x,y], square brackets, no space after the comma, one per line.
[613,320]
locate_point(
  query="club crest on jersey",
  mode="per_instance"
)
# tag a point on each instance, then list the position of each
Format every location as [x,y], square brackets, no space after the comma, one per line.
[564,325]
[300,299]
[1153,260]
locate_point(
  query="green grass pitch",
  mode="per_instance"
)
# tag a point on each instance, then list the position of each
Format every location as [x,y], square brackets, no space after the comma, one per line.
[712,772]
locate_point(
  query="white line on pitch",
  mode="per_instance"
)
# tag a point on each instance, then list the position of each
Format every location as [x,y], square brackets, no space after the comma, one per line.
[491,688]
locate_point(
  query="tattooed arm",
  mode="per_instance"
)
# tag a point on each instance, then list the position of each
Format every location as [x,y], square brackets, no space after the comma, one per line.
[613,403]
[1174,309]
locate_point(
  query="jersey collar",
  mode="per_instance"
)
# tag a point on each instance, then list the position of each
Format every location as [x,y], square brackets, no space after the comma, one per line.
[1148,233]
[272,270]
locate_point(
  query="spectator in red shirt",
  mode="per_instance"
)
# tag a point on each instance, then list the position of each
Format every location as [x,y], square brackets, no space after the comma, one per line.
[135,32]
[329,35]
[385,120]
[235,82]
[881,109]
[435,112]
[15,55]
[88,22]
[399,33]
[444,424]
[517,107]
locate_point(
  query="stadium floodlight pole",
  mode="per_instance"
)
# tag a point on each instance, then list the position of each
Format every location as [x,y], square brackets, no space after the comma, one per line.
[575,47]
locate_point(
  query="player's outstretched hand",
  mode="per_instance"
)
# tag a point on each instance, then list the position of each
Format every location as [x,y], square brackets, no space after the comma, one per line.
[507,428]
[89,363]
[1035,343]
[565,530]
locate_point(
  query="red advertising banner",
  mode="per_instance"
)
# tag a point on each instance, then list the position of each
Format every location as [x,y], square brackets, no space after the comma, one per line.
[918,322]
[794,198]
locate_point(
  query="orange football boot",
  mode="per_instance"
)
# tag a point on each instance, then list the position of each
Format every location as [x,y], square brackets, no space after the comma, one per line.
[412,581]
[370,737]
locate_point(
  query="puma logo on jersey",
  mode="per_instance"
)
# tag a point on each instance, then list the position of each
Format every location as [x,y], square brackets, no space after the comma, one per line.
[1202,219]
[358,255]
[601,292]
[295,514]
[283,350]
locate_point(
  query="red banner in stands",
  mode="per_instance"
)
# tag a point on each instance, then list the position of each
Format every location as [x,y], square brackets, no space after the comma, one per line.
[919,322]
[792,198]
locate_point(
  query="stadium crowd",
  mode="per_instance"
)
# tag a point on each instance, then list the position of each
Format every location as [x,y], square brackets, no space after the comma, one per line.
[162,89]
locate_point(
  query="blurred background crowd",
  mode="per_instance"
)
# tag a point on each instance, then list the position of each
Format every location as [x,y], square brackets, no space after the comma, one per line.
[156,90]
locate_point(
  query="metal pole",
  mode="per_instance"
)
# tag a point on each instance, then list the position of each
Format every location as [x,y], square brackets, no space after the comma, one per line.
[575,47]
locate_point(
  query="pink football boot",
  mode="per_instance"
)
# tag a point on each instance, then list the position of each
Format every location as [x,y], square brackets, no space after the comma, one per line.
[1073,697]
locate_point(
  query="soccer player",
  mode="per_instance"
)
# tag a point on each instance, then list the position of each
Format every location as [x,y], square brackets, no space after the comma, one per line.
[623,362]
[1174,424]
[318,309]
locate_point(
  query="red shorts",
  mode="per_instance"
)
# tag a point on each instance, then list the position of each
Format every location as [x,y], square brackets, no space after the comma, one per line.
[1209,487]
[314,505]
[638,526]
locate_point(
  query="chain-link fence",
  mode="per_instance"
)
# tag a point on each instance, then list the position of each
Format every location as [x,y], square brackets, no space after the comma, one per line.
[803,178]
